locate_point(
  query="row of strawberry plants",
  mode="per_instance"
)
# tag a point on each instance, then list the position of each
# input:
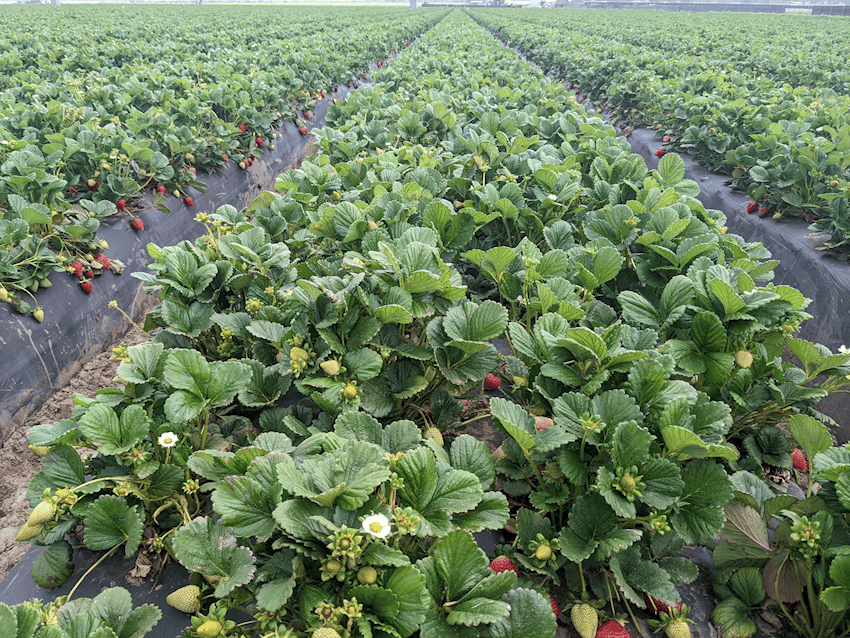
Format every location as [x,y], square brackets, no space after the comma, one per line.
[461,198]
[96,104]
[773,119]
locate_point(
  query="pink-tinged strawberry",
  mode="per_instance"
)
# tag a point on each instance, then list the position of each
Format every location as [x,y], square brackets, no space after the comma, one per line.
[77,268]
[502,564]
[161,189]
[612,629]
[190,201]
[138,224]
[492,381]
[225,157]
[555,608]
[260,142]
[543,422]
[121,204]
[660,152]
[323,94]
[657,607]
[103,259]
[243,128]
[243,165]
[303,130]
[799,460]
[764,211]
[87,287]
[307,114]
[92,184]
[752,207]
[665,139]
[192,170]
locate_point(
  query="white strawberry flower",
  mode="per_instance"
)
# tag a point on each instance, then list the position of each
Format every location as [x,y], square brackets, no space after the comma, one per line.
[377,525]
[167,439]
[842,349]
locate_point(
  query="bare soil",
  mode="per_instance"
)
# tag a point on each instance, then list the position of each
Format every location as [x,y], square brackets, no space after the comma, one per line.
[18,464]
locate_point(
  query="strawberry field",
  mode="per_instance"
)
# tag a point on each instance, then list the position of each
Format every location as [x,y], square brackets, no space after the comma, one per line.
[762,99]
[472,311]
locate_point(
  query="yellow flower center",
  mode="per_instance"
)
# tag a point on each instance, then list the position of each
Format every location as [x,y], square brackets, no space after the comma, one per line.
[375,527]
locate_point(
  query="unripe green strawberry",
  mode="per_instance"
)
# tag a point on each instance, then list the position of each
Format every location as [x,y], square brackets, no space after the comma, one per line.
[543,552]
[41,450]
[678,628]
[45,283]
[27,532]
[331,368]
[42,513]
[628,483]
[299,354]
[325,632]
[585,619]
[209,629]
[349,392]
[497,454]
[186,599]
[744,359]
[38,314]
[434,433]
[4,294]
[367,575]
[371,225]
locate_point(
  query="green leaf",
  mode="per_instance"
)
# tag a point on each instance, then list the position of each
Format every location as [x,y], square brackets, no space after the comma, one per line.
[748,585]
[206,546]
[806,352]
[359,426]
[514,421]
[633,572]
[276,593]
[812,435]
[460,563]
[363,364]
[53,566]
[491,513]
[699,516]
[837,597]
[631,444]
[731,615]
[408,585]
[708,333]
[638,309]
[671,169]
[112,435]
[592,529]
[477,611]
[109,521]
[473,322]
[472,455]
[63,468]
[530,615]
[244,505]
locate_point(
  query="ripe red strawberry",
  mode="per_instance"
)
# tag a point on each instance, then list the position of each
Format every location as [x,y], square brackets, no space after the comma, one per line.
[349,85]
[260,142]
[543,422]
[752,207]
[121,204]
[656,606]
[323,94]
[160,189]
[380,64]
[763,211]
[502,564]
[88,273]
[78,268]
[92,184]
[492,381]
[612,629]
[555,608]
[189,200]
[307,114]
[243,128]
[660,152]
[102,258]
[303,130]
[137,223]
[665,139]
[799,460]
[87,287]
